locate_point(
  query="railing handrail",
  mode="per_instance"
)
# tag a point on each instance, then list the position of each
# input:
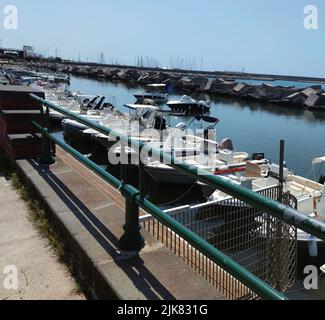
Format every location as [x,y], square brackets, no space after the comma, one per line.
[278,210]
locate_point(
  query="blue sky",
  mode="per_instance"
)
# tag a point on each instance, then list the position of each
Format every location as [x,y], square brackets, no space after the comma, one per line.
[260,36]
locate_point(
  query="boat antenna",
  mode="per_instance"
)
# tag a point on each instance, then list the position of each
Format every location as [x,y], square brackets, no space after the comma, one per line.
[281,175]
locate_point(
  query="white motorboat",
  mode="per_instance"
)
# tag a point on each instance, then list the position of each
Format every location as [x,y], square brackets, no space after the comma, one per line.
[223,160]
[61,96]
[154,93]
[307,195]
[178,141]
[189,105]
[93,111]
[143,123]
[258,177]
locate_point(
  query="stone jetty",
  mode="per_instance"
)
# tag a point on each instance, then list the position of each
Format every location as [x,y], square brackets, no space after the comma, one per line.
[190,83]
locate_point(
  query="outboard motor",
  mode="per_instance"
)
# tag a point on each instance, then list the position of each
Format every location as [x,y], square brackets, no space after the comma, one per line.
[322,180]
[160,123]
[258,156]
[226,144]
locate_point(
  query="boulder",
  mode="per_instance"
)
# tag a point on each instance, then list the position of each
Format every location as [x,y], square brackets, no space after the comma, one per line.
[297,98]
[309,91]
[186,80]
[312,101]
[321,98]
[225,87]
[239,87]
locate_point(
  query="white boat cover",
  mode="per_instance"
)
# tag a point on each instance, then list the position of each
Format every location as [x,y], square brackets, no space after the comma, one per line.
[141,106]
[318,161]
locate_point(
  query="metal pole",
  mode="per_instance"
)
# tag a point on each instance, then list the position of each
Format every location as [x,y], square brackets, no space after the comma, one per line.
[281,173]
[46,153]
[123,163]
[142,178]
[132,240]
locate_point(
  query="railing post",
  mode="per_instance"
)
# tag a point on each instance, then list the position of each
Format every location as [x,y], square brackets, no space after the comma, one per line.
[46,155]
[132,240]
[123,162]
[142,177]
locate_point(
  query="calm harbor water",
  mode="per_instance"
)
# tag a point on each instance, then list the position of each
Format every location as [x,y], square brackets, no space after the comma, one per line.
[253,127]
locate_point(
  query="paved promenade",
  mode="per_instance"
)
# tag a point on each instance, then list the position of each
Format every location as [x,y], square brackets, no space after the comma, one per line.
[40,276]
[90,216]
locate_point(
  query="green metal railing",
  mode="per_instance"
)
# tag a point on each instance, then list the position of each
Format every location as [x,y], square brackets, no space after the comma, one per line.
[133,240]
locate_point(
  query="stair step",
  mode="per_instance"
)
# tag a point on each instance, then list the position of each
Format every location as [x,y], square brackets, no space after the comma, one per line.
[21,140]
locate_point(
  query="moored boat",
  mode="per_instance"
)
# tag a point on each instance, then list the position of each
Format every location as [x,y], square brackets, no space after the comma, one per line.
[189,105]
[154,93]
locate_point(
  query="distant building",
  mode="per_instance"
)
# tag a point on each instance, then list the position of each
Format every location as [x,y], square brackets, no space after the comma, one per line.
[29,51]
[11,53]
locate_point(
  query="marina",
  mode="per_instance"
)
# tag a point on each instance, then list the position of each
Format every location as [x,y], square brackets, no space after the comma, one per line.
[189,139]
[168,178]
[237,119]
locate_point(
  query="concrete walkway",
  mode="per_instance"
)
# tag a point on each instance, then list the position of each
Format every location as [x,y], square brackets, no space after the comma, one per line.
[40,276]
[90,216]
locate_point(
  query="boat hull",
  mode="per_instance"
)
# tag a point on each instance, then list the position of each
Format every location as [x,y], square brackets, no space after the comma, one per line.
[188,108]
[168,175]
[157,99]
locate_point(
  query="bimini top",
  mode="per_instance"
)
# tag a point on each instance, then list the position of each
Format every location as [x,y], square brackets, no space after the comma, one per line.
[318,161]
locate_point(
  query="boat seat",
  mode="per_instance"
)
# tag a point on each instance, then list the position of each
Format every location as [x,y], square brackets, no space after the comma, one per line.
[253,170]
[295,186]
[303,183]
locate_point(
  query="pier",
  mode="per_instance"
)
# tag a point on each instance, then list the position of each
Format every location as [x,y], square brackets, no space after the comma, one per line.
[125,247]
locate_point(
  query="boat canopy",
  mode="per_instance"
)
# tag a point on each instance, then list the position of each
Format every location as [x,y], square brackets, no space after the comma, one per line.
[318,161]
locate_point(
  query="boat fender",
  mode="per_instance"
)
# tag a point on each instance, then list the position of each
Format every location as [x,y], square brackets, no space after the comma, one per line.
[312,246]
[322,180]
